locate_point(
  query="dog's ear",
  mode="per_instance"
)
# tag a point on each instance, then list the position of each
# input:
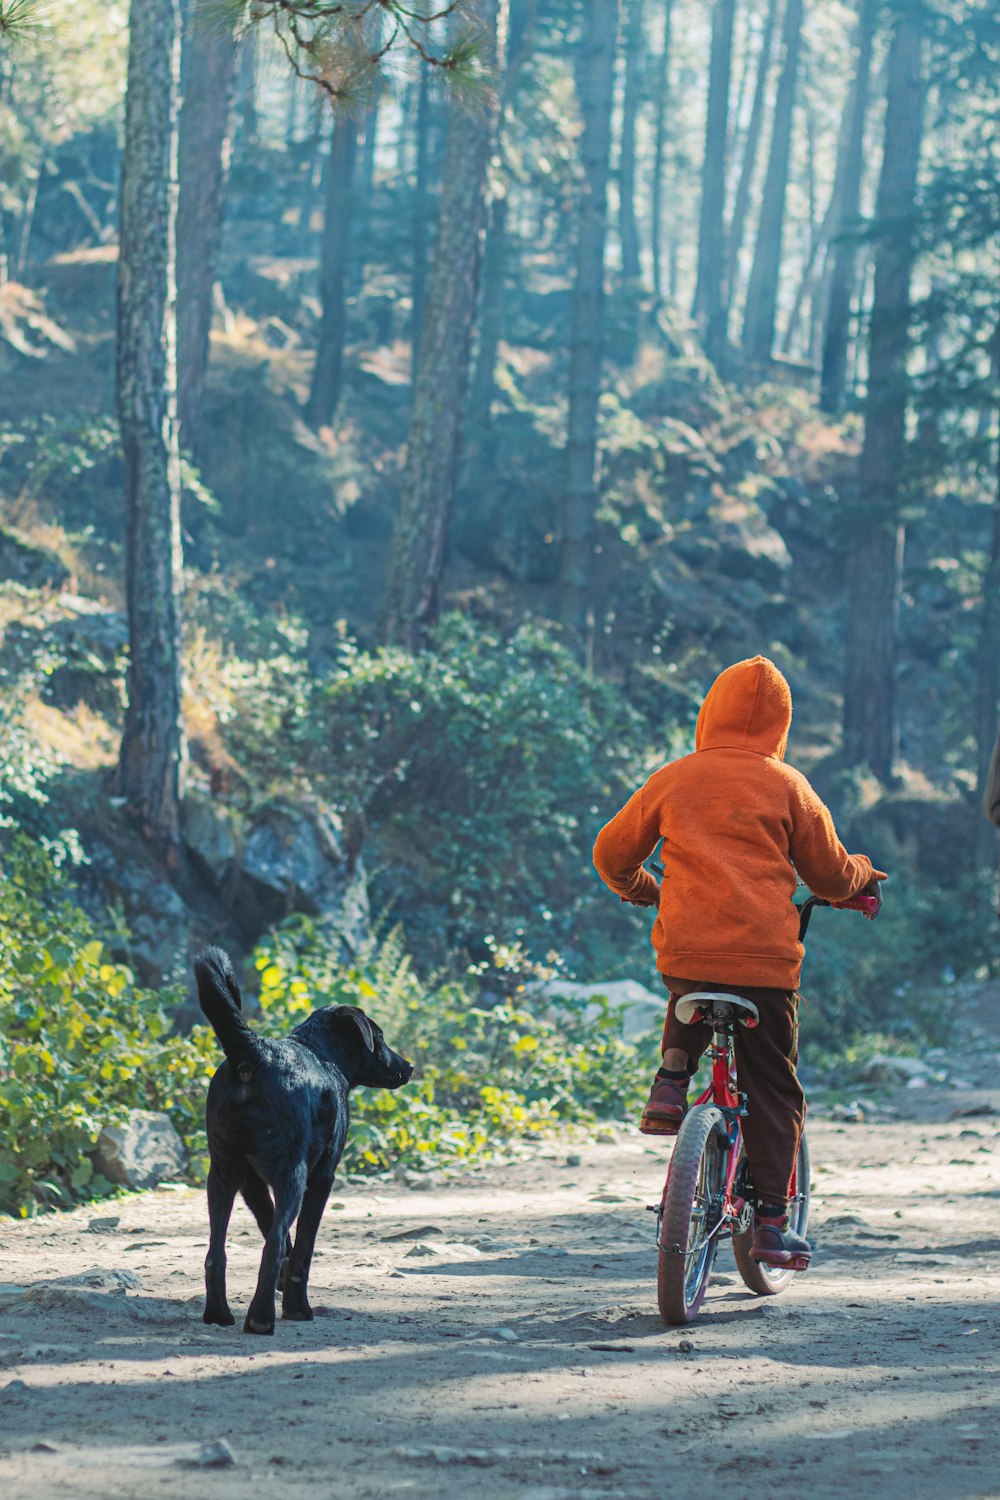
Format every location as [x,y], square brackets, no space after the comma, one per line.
[346,1016]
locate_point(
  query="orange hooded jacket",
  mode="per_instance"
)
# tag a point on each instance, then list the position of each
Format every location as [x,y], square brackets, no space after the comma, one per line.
[736,824]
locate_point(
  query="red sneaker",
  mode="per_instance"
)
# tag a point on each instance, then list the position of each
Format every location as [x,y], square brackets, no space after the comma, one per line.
[666,1106]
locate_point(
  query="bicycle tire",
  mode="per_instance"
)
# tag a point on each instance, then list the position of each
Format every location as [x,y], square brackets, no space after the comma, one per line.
[686,1256]
[768,1281]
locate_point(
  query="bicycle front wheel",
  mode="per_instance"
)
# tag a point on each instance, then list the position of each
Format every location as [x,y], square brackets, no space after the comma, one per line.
[766,1281]
[692,1201]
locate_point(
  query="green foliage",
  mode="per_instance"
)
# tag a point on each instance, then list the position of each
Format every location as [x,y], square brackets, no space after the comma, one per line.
[80,1044]
[52,455]
[480,772]
[483,768]
[25,771]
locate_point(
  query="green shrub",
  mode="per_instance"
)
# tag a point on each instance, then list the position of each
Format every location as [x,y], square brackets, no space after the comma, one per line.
[80,1044]
[482,770]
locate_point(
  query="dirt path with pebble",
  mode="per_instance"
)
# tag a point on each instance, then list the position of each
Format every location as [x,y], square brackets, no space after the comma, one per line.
[498,1335]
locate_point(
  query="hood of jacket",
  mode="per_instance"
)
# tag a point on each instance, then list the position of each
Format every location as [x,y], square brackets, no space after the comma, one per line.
[748,707]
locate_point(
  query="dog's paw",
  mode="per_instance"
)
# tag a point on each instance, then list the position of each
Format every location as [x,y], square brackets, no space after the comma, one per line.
[220,1316]
[257,1325]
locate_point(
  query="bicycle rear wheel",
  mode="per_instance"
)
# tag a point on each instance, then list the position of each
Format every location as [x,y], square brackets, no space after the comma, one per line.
[691,1198]
[767,1281]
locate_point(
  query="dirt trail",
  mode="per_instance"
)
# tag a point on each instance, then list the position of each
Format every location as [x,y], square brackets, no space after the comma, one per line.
[499,1336]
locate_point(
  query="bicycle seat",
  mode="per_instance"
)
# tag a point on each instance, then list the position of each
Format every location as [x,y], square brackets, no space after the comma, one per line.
[712,1005]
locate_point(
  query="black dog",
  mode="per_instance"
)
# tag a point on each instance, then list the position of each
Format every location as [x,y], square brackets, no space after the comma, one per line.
[277,1118]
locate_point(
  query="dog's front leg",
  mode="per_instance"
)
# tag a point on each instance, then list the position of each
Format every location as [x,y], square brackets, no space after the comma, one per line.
[295,1300]
[221,1195]
[287,1202]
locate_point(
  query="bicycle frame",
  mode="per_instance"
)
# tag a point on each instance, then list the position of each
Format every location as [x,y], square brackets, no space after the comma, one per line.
[730,1211]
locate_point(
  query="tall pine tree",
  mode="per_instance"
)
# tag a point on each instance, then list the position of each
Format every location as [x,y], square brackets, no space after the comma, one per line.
[152,760]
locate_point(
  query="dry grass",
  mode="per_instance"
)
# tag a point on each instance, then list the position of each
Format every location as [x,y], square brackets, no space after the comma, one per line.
[76,736]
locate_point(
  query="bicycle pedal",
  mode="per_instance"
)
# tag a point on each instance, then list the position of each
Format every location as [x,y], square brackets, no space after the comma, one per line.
[792,1263]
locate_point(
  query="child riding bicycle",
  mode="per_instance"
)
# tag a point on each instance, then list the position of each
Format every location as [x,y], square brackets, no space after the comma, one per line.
[735,824]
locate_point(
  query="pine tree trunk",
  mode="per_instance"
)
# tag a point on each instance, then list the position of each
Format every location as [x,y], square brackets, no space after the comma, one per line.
[324,389]
[709,311]
[988,654]
[418,234]
[596,72]
[627,223]
[151,765]
[491,313]
[875,563]
[416,557]
[203,172]
[660,152]
[362,199]
[843,270]
[987,703]
[492,301]
[741,203]
[246,90]
[762,289]
[812,272]
[312,171]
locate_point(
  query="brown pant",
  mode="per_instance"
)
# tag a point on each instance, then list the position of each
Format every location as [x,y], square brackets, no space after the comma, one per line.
[765,1066]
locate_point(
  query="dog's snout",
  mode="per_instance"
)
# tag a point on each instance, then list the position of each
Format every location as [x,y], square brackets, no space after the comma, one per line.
[402,1070]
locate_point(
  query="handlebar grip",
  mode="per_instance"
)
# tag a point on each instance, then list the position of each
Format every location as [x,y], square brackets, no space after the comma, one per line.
[867,905]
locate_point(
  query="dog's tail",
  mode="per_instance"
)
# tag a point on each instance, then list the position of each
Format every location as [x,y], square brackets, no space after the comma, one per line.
[219,998]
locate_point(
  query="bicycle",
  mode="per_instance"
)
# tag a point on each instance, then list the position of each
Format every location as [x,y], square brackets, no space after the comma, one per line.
[709,1194]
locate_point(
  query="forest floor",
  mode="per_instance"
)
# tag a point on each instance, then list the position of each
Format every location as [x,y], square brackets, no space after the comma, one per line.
[498,1333]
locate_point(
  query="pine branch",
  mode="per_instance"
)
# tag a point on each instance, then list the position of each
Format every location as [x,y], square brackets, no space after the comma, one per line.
[20,18]
[340,45]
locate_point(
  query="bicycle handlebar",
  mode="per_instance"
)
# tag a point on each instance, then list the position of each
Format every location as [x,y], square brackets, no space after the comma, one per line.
[867,905]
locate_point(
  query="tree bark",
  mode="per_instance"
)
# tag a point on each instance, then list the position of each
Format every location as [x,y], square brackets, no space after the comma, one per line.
[363,196]
[987,702]
[709,311]
[660,152]
[324,389]
[312,178]
[843,269]
[762,289]
[247,90]
[988,654]
[875,564]
[416,557]
[491,313]
[628,226]
[419,237]
[741,203]
[596,72]
[152,760]
[492,301]
[203,171]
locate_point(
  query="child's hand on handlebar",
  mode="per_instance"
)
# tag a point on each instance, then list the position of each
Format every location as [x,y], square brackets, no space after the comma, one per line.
[868,900]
